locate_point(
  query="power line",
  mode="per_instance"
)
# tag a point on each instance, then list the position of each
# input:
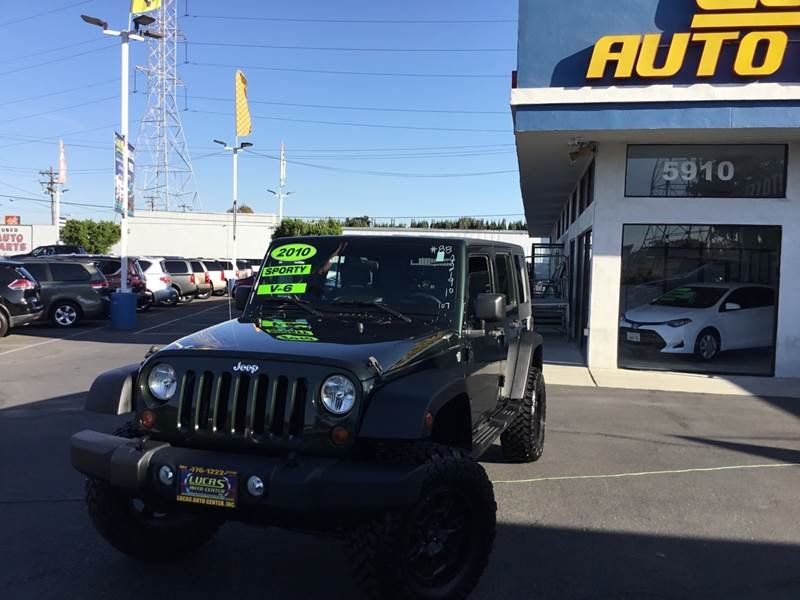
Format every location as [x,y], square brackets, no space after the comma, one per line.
[405,148]
[390,173]
[356,21]
[51,50]
[60,92]
[56,60]
[421,155]
[350,124]
[47,12]
[363,108]
[348,49]
[81,204]
[55,110]
[25,139]
[355,73]
[14,187]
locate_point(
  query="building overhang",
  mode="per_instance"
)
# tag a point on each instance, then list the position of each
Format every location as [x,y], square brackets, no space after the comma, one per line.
[548,174]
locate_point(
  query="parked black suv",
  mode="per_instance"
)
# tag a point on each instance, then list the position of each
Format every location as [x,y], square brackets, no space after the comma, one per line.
[54,250]
[352,397]
[72,289]
[20,303]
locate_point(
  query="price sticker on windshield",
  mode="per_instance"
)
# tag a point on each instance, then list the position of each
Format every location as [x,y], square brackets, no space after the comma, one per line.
[286,270]
[281,289]
[293,252]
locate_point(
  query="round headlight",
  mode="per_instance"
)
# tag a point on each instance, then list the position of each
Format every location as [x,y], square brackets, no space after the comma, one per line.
[162,382]
[338,394]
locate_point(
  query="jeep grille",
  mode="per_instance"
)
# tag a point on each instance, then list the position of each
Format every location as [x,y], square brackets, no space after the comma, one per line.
[240,404]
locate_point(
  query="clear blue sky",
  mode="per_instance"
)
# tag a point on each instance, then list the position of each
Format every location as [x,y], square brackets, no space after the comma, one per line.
[76,97]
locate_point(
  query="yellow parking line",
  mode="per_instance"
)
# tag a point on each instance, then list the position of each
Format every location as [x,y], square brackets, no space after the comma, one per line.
[649,473]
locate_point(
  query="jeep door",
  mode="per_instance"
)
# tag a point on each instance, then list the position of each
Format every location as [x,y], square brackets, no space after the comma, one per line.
[506,283]
[483,357]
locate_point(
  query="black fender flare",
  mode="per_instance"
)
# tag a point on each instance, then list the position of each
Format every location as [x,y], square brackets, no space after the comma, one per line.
[112,392]
[530,349]
[397,410]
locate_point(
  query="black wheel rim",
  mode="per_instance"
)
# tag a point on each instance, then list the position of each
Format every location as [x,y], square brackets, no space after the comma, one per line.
[439,538]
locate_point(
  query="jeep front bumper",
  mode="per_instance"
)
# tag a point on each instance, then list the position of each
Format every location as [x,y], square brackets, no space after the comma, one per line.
[293,485]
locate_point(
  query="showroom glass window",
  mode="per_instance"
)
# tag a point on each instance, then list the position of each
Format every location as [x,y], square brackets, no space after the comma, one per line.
[699,298]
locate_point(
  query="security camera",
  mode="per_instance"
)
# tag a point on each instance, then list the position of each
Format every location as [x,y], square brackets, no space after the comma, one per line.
[582,149]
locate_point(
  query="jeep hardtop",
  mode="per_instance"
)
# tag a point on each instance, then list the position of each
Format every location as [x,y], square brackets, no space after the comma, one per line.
[353,396]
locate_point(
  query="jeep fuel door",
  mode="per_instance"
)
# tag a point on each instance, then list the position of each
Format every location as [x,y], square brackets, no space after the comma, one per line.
[484,356]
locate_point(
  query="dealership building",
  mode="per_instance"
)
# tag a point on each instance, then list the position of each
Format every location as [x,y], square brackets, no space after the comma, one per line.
[658,149]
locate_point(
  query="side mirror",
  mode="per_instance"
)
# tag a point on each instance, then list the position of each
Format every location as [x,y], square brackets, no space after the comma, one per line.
[490,307]
[732,306]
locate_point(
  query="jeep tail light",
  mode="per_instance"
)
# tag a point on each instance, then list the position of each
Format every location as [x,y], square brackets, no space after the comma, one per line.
[22,284]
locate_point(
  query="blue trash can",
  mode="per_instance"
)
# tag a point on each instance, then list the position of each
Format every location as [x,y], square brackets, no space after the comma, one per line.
[123,311]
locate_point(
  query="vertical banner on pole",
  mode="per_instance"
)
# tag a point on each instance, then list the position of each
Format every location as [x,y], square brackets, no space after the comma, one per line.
[131,172]
[119,160]
[119,193]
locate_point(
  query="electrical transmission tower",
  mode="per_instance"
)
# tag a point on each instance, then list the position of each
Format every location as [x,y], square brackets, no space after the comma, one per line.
[165,177]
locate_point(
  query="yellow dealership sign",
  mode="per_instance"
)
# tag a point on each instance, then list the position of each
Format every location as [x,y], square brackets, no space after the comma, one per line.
[753,26]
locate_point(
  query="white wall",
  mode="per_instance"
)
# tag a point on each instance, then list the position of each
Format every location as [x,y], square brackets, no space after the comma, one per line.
[198,234]
[612,210]
[44,235]
[210,234]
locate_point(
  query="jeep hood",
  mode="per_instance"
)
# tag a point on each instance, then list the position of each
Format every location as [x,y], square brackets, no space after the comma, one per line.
[350,344]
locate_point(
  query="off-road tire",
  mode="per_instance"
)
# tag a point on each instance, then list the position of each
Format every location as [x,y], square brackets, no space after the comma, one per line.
[5,326]
[203,295]
[110,512]
[523,441]
[378,549]
[148,539]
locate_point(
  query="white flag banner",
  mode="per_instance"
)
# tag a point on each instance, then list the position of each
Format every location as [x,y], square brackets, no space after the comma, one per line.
[62,164]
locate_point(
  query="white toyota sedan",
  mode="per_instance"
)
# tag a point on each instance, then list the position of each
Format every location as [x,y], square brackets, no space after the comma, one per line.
[703,319]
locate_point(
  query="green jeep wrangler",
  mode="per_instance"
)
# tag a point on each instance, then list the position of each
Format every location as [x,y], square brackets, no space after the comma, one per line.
[352,397]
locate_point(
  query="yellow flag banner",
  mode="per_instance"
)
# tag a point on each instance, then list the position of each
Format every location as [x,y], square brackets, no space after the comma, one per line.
[244,125]
[143,6]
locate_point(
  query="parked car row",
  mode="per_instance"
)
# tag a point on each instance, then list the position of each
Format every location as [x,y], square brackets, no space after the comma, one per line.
[66,289]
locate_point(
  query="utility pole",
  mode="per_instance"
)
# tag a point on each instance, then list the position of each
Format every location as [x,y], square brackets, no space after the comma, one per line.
[51,187]
[281,193]
[151,202]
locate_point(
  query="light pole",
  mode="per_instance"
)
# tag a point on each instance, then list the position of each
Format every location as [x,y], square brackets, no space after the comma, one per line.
[235,149]
[280,194]
[135,34]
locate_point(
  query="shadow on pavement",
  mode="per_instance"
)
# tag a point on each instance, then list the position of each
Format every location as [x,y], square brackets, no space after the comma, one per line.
[527,562]
[170,323]
[785,455]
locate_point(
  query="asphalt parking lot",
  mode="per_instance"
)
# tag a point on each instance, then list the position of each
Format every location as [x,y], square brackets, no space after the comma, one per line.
[638,495]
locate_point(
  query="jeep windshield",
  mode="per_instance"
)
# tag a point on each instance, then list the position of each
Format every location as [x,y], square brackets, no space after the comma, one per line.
[390,278]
